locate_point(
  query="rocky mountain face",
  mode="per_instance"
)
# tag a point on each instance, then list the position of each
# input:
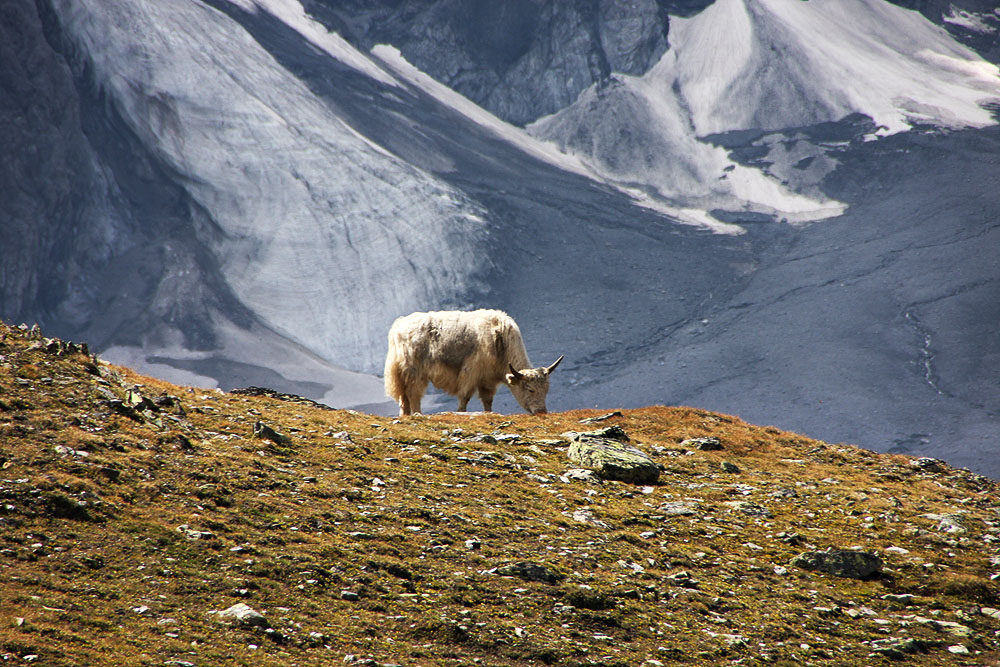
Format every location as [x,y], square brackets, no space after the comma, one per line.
[226,193]
[94,226]
[520,60]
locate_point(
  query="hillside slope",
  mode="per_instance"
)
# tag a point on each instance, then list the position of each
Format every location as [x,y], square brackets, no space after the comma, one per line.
[134,511]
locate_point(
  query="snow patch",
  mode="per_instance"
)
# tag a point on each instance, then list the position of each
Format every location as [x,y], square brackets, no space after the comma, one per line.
[971,21]
[786,63]
[790,63]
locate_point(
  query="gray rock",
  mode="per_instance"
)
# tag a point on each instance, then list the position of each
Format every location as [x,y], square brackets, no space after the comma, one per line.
[840,563]
[708,444]
[584,515]
[601,418]
[242,615]
[679,508]
[582,475]
[265,432]
[991,612]
[947,523]
[750,509]
[193,533]
[949,627]
[683,578]
[519,59]
[613,432]
[898,648]
[928,464]
[900,598]
[731,468]
[612,459]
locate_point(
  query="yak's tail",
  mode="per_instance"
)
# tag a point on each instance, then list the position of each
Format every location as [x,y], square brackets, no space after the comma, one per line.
[395,385]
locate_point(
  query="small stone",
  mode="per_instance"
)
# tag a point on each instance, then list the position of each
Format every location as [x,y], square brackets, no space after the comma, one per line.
[473,544]
[750,509]
[611,432]
[901,598]
[709,444]
[952,628]
[193,533]
[243,615]
[679,508]
[350,596]
[683,578]
[927,464]
[601,418]
[729,467]
[353,494]
[580,474]
[897,648]
[958,649]
[584,515]
[991,612]
[265,432]
[947,523]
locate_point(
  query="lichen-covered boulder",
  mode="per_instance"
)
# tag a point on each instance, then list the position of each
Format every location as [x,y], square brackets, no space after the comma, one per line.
[613,459]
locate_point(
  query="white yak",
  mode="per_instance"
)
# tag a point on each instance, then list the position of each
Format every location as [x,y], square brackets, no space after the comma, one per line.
[462,353]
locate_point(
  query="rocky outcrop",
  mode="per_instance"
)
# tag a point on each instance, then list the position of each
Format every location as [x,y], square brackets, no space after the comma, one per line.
[520,60]
[47,174]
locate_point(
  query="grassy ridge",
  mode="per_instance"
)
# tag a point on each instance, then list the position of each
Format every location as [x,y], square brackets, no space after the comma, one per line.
[130,509]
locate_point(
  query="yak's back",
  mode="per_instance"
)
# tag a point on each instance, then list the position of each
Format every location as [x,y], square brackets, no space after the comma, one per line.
[455,338]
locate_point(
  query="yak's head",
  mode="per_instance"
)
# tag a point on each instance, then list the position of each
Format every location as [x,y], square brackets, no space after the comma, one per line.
[530,386]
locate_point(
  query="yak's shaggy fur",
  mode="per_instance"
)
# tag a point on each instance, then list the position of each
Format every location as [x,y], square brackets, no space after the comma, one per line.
[462,353]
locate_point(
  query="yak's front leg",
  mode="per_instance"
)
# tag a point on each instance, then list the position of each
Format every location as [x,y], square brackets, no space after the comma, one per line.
[463,402]
[486,395]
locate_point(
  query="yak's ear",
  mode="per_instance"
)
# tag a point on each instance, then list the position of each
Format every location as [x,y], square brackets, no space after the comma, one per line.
[514,376]
[551,368]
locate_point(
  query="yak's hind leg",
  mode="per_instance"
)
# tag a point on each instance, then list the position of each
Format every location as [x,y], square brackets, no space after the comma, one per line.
[410,395]
[486,395]
[411,399]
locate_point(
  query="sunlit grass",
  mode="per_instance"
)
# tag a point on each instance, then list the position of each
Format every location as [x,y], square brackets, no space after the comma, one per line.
[379,538]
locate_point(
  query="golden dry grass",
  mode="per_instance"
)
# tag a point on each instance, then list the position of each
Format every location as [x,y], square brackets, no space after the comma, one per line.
[380,538]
